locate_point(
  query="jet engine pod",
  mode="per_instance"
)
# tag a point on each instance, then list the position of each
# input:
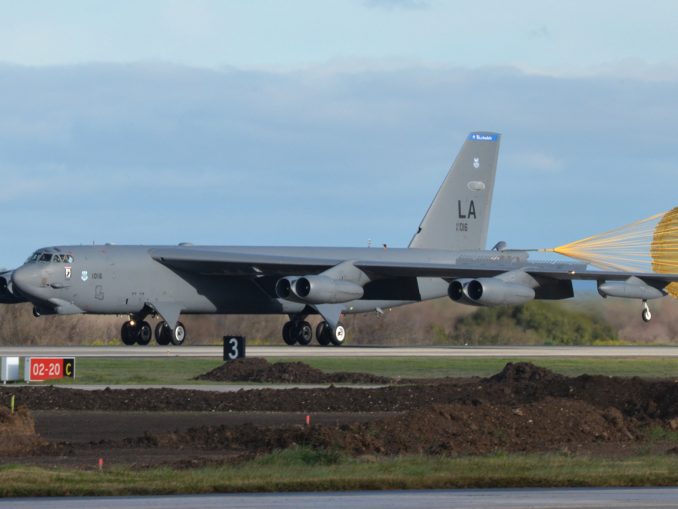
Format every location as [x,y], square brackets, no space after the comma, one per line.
[456,291]
[492,291]
[326,290]
[7,293]
[633,288]
[283,288]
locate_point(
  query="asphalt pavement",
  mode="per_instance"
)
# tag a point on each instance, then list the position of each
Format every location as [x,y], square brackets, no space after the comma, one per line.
[643,498]
[344,351]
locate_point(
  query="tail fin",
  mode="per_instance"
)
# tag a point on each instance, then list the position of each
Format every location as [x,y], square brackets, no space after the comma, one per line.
[460,213]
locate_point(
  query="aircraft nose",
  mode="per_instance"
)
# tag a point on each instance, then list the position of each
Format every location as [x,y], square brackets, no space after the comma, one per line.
[26,280]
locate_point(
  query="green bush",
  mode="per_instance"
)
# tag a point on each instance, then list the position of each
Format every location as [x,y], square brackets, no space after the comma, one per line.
[533,323]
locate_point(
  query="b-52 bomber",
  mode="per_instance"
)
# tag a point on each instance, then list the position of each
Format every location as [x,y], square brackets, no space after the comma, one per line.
[446,256]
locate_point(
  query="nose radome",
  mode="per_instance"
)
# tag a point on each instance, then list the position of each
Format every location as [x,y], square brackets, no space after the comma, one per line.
[25,279]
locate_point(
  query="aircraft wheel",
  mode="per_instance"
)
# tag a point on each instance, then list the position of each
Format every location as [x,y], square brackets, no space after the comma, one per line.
[144,333]
[163,334]
[178,334]
[128,334]
[288,334]
[323,334]
[338,335]
[647,315]
[303,333]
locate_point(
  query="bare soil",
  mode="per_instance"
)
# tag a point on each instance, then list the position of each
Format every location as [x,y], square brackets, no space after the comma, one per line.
[523,408]
[256,369]
[17,432]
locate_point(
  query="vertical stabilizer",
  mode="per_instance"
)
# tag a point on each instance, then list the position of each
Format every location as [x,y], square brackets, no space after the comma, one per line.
[459,216]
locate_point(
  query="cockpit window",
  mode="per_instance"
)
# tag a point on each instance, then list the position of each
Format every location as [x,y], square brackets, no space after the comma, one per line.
[41,256]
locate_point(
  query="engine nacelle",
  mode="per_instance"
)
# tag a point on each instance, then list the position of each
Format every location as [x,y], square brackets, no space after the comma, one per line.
[633,288]
[326,290]
[7,293]
[283,288]
[456,291]
[493,292]
[318,290]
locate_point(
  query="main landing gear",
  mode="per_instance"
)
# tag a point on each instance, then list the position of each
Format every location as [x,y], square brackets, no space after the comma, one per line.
[300,331]
[139,332]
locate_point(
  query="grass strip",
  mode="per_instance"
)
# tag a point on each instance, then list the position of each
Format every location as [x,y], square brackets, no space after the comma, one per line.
[307,470]
[177,371]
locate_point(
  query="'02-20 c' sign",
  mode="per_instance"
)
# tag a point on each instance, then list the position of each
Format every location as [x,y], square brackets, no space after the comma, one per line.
[40,369]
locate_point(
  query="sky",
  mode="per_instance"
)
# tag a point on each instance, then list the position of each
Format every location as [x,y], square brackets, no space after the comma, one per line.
[328,123]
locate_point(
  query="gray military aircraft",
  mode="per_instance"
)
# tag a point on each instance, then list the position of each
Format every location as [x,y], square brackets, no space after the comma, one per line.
[447,256]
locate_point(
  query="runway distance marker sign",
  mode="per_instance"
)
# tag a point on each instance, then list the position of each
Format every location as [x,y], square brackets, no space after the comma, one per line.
[38,369]
[234,348]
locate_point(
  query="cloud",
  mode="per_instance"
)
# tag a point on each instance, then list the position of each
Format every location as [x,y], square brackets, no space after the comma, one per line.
[328,155]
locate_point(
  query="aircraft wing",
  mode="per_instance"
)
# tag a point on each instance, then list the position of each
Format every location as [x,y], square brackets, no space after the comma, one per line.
[224,263]
[452,271]
[237,264]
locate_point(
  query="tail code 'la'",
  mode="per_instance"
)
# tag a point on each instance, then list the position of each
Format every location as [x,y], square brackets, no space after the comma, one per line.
[459,215]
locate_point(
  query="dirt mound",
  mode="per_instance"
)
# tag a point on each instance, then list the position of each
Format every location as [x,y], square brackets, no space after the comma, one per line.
[523,408]
[256,369]
[524,372]
[17,432]
[440,429]
[517,385]
[480,428]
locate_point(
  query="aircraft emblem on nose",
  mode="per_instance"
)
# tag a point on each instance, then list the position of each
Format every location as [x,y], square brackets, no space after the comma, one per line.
[84,275]
[68,272]
[476,162]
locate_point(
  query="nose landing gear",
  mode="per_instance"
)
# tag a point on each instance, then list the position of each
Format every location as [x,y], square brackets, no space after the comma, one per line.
[140,332]
[133,332]
[647,314]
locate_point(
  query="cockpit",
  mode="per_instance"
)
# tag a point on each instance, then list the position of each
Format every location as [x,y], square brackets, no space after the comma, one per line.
[47,257]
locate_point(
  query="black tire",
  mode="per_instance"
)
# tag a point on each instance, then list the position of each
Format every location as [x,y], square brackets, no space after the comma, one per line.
[128,334]
[162,334]
[178,334]
[288,334]
[322,334]
[338,335]
[304,333]
[144,333]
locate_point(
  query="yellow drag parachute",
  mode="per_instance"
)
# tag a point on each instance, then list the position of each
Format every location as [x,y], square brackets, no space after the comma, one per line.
[647,245]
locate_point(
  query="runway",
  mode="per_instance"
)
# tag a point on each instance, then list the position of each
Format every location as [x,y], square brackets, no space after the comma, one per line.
[587,498]
[345,351]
